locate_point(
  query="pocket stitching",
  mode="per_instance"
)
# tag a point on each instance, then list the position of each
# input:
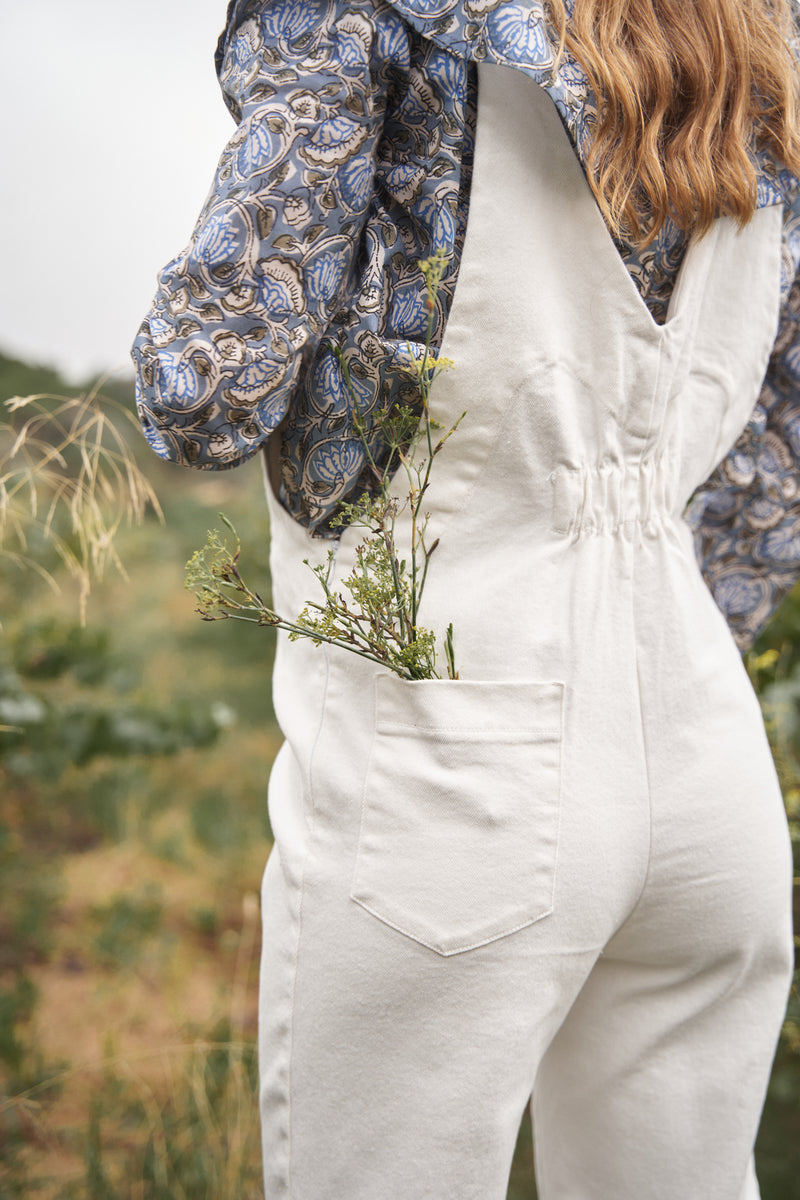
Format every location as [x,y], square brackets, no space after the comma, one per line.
[495,937]
[508,735]
[384,727]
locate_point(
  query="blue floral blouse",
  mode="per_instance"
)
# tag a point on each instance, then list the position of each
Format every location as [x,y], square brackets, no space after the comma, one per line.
[351,161]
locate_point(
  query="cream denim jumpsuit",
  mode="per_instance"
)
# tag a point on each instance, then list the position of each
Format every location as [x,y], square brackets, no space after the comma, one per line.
[568,872]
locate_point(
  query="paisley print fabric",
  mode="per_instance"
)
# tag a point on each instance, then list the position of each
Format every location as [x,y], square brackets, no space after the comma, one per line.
[349,165]
[746,518]
[351,161]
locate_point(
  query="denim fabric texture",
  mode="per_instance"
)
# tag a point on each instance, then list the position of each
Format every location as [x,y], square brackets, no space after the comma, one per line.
[566,874]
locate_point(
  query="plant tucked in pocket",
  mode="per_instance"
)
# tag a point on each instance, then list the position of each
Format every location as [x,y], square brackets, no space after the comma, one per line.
[374,611]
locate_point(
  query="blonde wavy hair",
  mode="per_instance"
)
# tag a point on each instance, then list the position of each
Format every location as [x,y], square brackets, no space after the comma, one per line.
[686,91]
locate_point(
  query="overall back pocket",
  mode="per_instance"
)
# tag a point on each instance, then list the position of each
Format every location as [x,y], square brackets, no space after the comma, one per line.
[460,811]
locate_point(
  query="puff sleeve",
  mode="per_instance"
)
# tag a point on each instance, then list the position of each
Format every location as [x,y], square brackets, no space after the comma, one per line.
[240,312]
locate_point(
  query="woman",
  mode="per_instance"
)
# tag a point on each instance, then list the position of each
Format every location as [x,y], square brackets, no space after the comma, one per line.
[565,873]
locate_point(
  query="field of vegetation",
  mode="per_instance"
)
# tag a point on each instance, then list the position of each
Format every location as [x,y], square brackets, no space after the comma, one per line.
[134,755]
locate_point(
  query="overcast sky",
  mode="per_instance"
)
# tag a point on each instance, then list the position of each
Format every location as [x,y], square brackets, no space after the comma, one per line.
[112,125]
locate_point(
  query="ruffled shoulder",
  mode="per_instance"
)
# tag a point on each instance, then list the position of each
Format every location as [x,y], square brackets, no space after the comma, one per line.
[516,35]
[233,18]
[510,34]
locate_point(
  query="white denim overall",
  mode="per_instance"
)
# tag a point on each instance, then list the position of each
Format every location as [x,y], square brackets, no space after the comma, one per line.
[568,872]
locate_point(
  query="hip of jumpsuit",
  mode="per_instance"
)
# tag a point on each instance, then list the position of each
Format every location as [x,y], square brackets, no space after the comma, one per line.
[566,874]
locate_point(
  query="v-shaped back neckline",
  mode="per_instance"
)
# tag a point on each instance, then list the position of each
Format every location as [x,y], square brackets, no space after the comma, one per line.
[697,255]
[518,38]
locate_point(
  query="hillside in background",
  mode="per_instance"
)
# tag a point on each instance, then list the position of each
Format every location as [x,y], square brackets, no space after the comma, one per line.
[133,832]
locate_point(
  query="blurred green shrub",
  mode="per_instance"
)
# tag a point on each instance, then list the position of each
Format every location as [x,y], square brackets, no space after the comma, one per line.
[44,733]
[124,924]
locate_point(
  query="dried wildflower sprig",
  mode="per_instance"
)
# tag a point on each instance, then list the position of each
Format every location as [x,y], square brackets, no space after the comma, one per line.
[65,461]
[212,573]
[374,612]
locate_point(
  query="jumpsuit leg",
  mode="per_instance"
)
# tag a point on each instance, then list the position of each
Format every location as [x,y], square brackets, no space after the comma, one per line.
[653,1086]
[388,1072]
[391,1072]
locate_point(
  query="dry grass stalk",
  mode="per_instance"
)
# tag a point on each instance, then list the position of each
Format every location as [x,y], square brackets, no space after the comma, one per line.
[68,474]
[195,1115]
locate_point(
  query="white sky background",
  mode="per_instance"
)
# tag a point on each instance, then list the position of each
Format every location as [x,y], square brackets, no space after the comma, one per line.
[112,124]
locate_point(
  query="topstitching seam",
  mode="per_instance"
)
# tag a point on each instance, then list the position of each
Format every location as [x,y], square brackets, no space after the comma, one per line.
[646,877]
[311,756]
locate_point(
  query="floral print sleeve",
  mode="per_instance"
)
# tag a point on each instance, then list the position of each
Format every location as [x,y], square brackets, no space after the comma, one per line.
[746,518]
[347,168]
[241,310]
